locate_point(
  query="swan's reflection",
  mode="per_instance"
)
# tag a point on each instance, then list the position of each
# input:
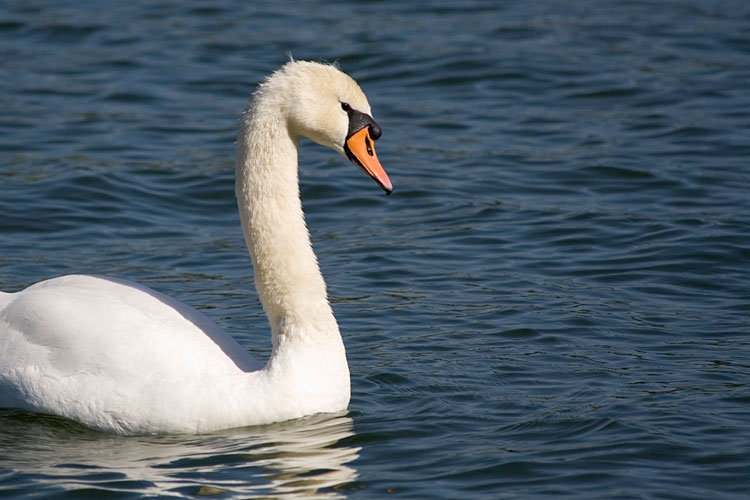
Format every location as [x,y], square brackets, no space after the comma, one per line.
[298,459]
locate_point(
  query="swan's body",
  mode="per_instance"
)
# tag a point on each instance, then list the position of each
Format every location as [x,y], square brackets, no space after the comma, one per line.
[118,356]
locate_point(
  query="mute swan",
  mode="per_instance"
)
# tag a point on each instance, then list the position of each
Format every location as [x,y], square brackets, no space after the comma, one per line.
[117,356]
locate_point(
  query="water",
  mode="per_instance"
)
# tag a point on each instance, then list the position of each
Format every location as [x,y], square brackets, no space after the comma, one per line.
[555,302]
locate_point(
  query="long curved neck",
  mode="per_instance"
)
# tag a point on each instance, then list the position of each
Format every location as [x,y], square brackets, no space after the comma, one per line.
[287,275]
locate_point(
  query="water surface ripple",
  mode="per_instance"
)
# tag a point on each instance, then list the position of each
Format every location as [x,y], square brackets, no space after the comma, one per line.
[555,302]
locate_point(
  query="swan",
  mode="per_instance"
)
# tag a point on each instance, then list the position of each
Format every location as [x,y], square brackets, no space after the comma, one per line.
[118,356]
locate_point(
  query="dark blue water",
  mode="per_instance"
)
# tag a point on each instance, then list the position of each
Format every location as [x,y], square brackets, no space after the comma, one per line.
[555,302]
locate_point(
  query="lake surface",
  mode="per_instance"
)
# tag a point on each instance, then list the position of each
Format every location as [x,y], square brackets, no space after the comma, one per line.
[554,303]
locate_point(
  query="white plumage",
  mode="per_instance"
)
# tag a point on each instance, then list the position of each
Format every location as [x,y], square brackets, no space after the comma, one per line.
[118,356]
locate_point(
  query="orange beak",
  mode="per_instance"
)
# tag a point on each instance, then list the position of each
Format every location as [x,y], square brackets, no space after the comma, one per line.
[361,151]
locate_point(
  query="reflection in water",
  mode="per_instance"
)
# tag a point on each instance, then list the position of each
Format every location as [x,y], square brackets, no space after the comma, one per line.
[298,459]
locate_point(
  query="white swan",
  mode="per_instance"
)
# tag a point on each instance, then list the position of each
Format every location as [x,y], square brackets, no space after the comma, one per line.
[120,357]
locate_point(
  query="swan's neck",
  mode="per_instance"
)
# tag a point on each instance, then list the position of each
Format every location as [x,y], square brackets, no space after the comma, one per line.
[287,275]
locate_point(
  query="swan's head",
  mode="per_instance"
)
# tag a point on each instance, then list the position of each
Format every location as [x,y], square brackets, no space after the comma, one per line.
[327,106]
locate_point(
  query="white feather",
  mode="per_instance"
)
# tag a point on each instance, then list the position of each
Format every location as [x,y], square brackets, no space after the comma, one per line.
[118,356]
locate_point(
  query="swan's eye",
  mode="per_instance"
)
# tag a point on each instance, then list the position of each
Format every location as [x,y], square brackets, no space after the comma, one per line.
[345,106]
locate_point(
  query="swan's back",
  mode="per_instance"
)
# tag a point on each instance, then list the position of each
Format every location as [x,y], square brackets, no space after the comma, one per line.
[147,353]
